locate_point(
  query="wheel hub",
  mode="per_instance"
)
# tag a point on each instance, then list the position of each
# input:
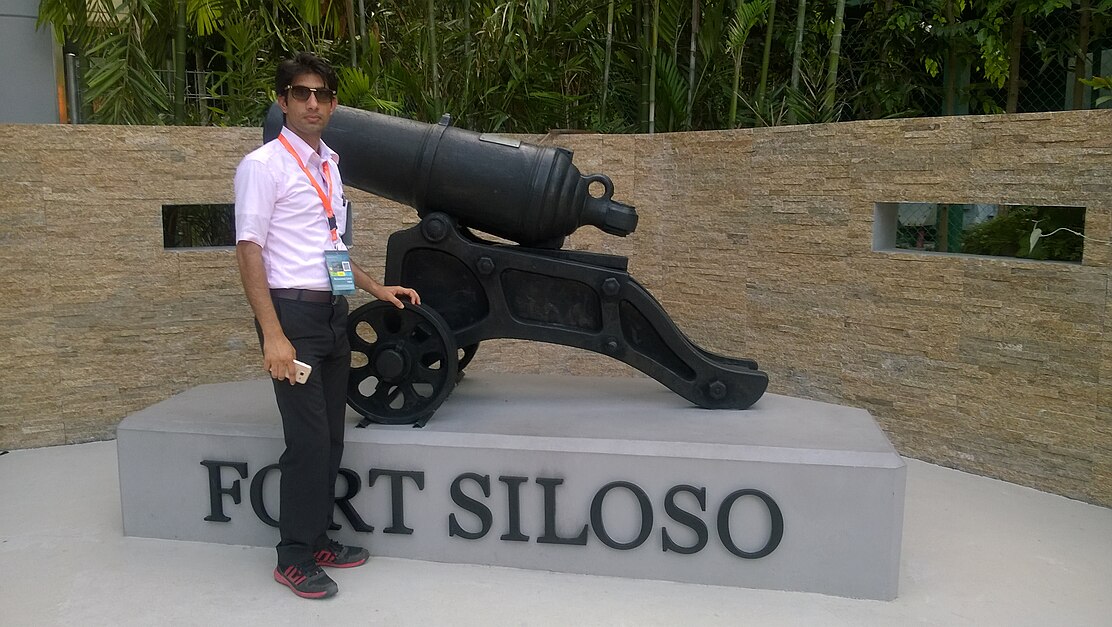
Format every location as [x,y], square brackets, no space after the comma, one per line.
[390,364]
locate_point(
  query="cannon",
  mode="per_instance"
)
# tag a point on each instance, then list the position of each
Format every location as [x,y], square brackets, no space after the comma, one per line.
[467,187]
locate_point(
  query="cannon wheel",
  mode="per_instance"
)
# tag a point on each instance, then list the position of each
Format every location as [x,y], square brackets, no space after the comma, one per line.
[411,363]
[465,355]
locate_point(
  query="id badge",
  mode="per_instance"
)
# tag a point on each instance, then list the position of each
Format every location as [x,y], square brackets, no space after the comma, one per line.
[340,275]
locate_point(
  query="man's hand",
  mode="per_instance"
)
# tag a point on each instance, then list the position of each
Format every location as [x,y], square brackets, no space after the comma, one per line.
[278,356]
[394,293]
[389,293]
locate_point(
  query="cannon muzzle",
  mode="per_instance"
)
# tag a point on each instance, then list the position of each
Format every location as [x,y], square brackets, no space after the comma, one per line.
[522,192]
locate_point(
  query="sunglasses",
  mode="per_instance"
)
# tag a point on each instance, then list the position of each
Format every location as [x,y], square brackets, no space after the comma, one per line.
[301,92]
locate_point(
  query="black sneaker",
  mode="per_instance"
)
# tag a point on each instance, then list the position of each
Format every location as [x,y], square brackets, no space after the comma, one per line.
[306,580]
[337,555]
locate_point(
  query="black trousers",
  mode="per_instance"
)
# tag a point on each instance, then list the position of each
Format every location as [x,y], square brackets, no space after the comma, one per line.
[313,424]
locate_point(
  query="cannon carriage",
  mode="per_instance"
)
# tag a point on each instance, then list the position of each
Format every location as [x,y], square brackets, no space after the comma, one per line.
[466,187]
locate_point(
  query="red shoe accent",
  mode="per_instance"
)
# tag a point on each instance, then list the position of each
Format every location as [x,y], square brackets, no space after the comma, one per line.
[327,558]
[348,565]
[292,574]
[280,578]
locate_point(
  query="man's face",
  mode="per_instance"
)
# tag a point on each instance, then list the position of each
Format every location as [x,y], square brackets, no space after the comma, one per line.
[306,117]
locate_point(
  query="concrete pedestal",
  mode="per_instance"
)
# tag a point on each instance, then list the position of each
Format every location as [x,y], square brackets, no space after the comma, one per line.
[588,475]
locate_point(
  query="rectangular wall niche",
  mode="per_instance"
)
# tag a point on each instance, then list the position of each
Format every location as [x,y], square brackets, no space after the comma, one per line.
[198,226]
[1045,233]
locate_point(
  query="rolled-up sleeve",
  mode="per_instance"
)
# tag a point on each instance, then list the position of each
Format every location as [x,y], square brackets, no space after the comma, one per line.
[255,197]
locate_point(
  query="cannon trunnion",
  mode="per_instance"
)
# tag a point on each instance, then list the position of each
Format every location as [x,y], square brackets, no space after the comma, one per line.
[407,361]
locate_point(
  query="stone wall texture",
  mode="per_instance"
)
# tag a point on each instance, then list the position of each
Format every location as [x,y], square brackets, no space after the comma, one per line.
[757,242]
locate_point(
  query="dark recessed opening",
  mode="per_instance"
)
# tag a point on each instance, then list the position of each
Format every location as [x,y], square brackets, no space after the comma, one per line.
[198,226]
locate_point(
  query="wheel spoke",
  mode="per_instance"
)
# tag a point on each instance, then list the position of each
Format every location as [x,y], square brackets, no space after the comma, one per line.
[421,333]
[431,344]
[381,331]
[414,334]
[393,396]
[412,399]
[360,345]
[422,374]
[380,393]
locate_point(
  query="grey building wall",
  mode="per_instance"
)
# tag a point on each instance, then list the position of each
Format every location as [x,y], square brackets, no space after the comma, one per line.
[29,94]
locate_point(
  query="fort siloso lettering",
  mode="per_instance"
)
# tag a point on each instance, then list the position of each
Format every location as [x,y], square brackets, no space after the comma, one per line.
[483,514]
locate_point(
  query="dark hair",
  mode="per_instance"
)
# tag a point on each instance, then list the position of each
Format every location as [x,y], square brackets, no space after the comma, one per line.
[304,63]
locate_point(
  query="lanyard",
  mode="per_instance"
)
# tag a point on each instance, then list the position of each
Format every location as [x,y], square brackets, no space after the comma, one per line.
[325,199]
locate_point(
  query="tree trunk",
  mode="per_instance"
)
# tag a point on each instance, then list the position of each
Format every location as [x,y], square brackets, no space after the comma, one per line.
[942,230]
[1081,66]
[1015,48]
[950,99]
[433,56]
[652,68]
[835,51]
[606,60]
[767,50]
[797,53]
[202,84]
[691,62]
[468,55]
[179,66]
[736,86]
[643,19]
[349,15]
[363,28]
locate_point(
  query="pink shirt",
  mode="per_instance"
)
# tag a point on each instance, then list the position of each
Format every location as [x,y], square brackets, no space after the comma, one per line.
[279,209]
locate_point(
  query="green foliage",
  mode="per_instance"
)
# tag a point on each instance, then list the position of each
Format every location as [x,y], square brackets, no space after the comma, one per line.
[247,78]
[535,65]
[771,110]
[1101,83]
[124,87]
[357,90]
[808,103]
[747,15]
[895,71]
[124,45]
[1009,234]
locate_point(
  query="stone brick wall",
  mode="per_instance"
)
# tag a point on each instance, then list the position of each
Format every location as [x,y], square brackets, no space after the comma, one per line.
[757,242]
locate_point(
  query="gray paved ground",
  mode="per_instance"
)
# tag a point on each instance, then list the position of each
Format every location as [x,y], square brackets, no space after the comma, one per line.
[976,552]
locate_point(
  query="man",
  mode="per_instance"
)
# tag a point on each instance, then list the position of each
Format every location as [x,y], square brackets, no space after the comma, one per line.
[290,214]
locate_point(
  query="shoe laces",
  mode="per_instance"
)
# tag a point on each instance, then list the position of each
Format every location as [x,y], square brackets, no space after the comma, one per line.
[309,567]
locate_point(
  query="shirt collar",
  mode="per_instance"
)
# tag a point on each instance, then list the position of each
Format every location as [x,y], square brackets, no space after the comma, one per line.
[305,151]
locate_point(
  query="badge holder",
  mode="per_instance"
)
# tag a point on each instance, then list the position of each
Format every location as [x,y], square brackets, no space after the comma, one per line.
[340,275]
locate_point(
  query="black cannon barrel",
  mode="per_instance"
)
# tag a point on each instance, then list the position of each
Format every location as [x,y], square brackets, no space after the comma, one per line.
[529,194]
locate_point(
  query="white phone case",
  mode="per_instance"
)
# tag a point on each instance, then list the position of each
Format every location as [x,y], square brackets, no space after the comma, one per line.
[302,371]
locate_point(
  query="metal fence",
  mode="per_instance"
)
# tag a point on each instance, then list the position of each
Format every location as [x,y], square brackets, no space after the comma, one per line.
[1047,68]
[200,94]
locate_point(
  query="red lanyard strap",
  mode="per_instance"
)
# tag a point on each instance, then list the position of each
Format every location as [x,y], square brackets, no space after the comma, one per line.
[326,200]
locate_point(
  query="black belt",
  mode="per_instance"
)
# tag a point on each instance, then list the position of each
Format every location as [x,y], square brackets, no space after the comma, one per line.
[309,296]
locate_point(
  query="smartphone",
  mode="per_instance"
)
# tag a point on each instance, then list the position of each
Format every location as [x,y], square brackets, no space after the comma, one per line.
[301,371]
